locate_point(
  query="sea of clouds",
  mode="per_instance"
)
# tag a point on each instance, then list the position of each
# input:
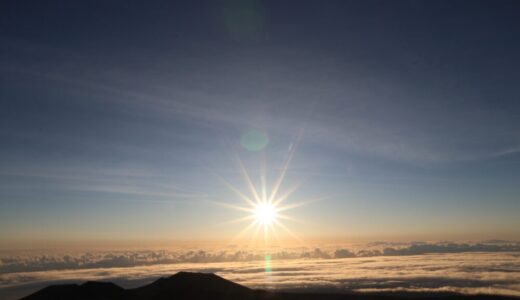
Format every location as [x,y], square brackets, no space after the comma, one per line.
[11,263]
[487,267]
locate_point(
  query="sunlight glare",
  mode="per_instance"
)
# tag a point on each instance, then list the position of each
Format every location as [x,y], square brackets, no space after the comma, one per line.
[265,213]
[265,208]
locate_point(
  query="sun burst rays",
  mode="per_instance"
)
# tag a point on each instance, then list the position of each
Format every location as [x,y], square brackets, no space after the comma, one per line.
[265,208]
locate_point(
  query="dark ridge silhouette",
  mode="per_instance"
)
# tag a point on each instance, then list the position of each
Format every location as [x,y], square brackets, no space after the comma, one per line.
[86,291]
[202,286]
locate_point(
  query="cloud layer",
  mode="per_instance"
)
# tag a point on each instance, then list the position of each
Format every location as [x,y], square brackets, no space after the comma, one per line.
[496,273]
[461,268]
[116,259]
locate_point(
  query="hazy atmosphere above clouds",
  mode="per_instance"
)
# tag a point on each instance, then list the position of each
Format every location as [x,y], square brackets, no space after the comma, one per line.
[118,118]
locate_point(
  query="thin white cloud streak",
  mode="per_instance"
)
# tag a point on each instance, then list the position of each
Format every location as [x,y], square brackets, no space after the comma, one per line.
[506,152]
[129,181]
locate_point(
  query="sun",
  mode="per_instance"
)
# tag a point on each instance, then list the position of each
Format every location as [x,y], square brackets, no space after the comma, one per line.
[265,205]
[265,214]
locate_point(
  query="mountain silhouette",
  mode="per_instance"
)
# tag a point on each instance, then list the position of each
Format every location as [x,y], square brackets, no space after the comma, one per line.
[87,291]
[205,286]
[185,285]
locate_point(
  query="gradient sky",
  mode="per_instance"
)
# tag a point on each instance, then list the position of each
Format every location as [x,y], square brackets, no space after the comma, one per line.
[118,117]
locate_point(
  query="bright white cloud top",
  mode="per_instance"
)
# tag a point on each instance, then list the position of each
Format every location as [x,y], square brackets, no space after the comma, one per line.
[471,273]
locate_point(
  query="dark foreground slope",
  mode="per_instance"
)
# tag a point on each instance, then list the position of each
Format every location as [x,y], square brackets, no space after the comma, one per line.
[198,286]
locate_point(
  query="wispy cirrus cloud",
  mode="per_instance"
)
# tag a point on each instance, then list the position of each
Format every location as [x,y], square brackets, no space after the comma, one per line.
[352,116]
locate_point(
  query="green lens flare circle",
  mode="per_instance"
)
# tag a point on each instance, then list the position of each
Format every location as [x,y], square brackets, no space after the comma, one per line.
[254,140]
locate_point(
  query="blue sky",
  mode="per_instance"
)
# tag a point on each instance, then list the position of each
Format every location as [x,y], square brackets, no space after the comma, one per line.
[118,118]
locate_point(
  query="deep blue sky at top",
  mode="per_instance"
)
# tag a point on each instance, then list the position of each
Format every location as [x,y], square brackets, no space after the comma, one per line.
[115,115]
